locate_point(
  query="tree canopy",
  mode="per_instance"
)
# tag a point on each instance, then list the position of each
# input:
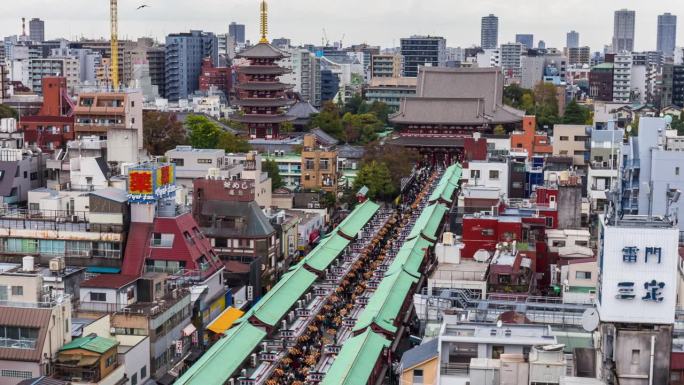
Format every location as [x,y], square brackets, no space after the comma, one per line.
[399,160]
[576,114]
[162,132]
[271,168]
[207,134]
[376,176]
[356,122]
[8,112]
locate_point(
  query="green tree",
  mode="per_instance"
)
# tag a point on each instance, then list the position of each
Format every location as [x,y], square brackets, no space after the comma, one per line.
[8,112]
[399,160]
[203,132]
[271,168]
[576,114]
[354,104]
[162,132]
[677,124]
[545,104]
[376,176]
[361,128]
[328,120]
[286,127]
[381,110]
[232,143]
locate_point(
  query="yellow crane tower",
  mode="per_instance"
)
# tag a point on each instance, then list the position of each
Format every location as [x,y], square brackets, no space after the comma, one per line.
[114,40]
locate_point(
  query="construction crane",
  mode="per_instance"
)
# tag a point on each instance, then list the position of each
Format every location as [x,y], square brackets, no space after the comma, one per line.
[325,40]
[114,41]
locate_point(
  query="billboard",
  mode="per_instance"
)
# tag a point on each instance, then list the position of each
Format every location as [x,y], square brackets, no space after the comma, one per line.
[149,182]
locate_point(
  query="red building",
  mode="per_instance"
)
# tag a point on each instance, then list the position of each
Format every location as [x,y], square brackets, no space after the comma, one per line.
[219,77]
[260,95]
[524,222]
[53,126]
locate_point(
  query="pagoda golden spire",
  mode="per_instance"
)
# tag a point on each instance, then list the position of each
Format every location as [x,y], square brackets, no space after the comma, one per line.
[264,22]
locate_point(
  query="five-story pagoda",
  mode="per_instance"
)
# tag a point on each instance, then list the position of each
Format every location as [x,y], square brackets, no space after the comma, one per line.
[260,95]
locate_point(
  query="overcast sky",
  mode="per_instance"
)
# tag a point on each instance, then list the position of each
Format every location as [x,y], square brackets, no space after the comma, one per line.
[379,22]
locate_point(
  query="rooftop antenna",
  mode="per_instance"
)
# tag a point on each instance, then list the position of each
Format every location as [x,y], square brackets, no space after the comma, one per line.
[23,26]
[264,22]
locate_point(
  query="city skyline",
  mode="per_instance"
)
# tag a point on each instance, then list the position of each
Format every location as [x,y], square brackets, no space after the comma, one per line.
[303,22]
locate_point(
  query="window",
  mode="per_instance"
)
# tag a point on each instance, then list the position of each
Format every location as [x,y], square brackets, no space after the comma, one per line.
[676,170]
[582,243]
[17,290]
[34,175]
[52,247]
[178,162]
[497,351]
[17,337]
[475,174]
[134,379]
[15,373]
[488,232]
[143,372]
[309,164]
[111,360]
[493,174]
[3,293]
[583,274]
[563,138]
[162,240]
[581,138]
[25,174]
[220,242]
[417,376]
[549,222]
[98,297]
[635,356]
[558,243]
[204,161]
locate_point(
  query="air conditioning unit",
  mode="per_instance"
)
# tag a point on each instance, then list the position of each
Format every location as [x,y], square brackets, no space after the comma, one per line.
[57,265]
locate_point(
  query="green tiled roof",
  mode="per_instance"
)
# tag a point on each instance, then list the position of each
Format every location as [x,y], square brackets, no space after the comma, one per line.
[410,257]
[91,343]
[327,250]
[358,218]
[428,221]
[224,357]
[355,363]
[448,184]
[385,304]
[273,306]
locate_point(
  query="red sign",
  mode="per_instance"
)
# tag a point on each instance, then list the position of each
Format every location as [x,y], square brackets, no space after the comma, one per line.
[140,183]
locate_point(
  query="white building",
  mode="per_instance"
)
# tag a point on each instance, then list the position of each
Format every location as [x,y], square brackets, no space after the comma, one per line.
[622,78]
[492,174]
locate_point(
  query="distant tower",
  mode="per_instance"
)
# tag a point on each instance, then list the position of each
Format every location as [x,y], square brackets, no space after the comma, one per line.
[37,30]
[489,33]
[23,26]
[572,39]
[623,30]
[667,34]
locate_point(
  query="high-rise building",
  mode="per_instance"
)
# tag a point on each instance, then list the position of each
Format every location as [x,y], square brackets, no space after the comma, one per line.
[526,39]
[489,34]
[184,55]
[237,32]
[387,66]
[579,55]
[667,34]
[37,30]
[304,75]
[623,30]
[156,58]
[511,61]
[572,39]
[622,77]
[422,51]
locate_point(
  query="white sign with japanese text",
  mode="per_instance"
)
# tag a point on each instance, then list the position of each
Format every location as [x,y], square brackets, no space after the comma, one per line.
[637,274]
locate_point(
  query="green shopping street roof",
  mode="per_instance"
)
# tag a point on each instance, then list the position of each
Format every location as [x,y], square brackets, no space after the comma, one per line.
[355,363]
[91,343]
[410,257]
[358,218]
[275,304]
[325,253]
[428,221]
[224,357]
[385,304]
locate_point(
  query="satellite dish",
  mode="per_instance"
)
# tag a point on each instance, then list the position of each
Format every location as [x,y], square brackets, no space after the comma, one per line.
[481,255]
[590,320]
[668,119]
[499,323]
[629,128]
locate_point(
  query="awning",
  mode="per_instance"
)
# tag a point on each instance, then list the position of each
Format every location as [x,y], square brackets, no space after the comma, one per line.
[225,320]
[103,270]
[188,330]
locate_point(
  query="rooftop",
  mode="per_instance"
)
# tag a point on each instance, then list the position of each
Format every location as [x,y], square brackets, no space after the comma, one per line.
[91,343]
[109,281]
[513,334]
[466,270]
